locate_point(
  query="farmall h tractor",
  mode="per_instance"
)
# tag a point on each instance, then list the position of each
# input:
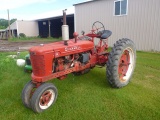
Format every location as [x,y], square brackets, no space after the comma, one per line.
[77,56]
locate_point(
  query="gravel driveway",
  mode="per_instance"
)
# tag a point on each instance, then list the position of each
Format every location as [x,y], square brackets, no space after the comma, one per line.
[6,46]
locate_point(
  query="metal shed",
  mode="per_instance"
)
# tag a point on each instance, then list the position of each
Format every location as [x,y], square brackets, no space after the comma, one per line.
[29,28]
[138,20]
[51,27]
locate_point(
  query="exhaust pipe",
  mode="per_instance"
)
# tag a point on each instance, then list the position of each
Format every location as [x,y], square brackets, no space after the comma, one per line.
[65,29]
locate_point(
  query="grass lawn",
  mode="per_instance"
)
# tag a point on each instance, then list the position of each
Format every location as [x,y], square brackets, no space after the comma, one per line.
[86,97]
[24,39]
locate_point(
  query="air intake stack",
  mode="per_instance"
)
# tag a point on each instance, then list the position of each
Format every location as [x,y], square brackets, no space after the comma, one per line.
[65,29]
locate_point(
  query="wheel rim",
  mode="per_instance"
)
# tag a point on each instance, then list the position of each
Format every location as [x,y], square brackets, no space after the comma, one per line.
[46,99]
[126,64]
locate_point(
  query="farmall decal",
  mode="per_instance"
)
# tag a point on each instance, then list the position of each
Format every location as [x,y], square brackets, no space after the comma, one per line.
[73,48]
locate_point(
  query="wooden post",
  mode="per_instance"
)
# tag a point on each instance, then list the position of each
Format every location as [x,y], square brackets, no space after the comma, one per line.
[9,32]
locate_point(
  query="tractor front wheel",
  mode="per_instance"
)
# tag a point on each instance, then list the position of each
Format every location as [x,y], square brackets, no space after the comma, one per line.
[43,97]
[121,63]
[27,93]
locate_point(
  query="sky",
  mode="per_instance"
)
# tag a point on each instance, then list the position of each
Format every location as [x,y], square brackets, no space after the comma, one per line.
[35,9]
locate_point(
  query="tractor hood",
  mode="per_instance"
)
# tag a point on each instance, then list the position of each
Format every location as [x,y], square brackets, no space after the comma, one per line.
[60,49]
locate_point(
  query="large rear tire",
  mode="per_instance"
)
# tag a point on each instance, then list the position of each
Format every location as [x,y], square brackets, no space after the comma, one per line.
[121,63]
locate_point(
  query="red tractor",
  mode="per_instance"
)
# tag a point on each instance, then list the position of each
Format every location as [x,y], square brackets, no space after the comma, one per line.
[77,56]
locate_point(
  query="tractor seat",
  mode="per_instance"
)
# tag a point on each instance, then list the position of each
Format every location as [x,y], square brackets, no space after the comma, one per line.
[104,34]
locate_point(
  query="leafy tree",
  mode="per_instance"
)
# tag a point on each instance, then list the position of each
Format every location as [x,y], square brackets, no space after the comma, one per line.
[4,23]
[12,20]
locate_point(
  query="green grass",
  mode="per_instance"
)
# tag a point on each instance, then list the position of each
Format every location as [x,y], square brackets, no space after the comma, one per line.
[86,97]
[21,39]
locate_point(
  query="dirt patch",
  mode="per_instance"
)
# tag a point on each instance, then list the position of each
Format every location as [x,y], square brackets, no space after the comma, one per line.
[7,46]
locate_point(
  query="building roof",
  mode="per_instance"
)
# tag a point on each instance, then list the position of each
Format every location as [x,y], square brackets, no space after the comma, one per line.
[55,17]
[85,2]
[2,30]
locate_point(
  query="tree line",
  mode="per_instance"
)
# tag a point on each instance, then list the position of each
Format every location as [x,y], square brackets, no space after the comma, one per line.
[4,23]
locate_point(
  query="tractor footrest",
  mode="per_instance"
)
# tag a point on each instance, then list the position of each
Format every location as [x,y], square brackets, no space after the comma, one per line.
[103,53]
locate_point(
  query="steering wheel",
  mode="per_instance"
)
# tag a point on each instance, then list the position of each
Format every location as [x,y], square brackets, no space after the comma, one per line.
[98,27]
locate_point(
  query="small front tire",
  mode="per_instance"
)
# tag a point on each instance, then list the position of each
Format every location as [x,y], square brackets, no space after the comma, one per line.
[44,96]
[27,93]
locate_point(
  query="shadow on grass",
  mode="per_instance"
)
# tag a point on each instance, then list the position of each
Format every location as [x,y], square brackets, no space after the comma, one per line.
[96,78]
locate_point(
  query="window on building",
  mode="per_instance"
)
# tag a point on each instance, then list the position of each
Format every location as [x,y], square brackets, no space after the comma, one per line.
[120,7]
[44,23]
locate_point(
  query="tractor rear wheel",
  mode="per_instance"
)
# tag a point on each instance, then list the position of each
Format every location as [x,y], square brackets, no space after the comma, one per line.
[121,63]
[43,97]
[27,93]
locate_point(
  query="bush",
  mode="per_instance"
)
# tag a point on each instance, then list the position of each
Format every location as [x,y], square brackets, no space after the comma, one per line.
[22,35]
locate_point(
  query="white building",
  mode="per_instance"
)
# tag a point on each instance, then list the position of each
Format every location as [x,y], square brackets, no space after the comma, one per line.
[29,28]
[138,20]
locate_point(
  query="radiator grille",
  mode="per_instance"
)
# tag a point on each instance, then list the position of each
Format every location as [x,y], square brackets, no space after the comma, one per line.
[38,65]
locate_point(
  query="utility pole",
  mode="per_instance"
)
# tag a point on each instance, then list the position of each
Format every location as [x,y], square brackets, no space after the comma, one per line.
[9,32]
